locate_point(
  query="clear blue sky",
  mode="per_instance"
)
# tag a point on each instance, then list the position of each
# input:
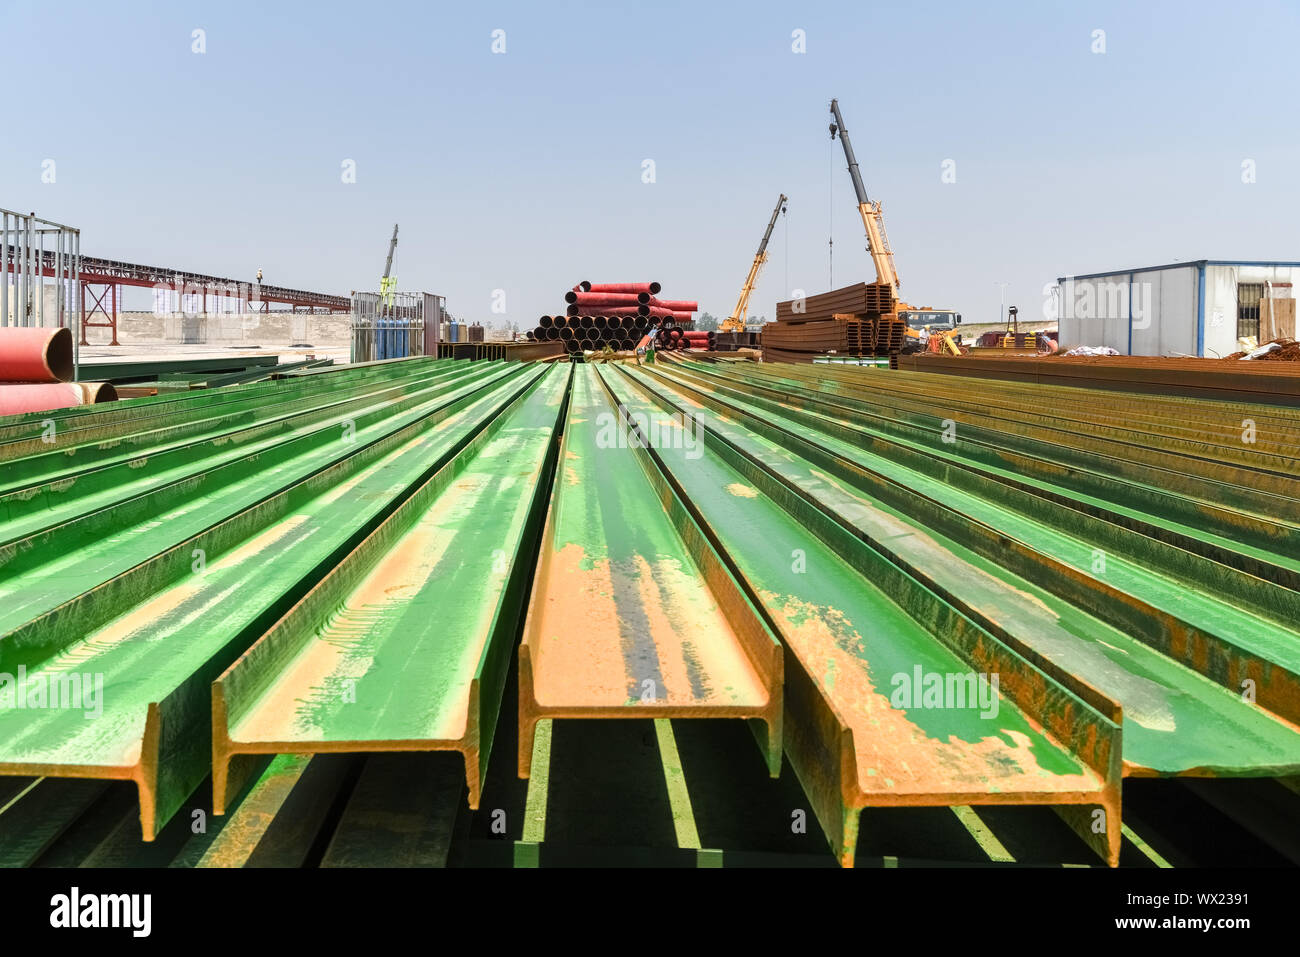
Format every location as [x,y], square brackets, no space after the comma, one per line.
[522,171]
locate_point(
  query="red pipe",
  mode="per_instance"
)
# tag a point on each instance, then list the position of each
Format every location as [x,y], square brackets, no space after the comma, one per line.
[647,287]
[33,397]
[676,305]
[660,313]
[682,316]
[36,355]
[606,298]
[609,310]
[544,322]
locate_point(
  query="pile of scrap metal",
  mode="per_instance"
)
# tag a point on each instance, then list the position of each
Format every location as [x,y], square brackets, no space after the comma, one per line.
[36,372]
[1285,349]
[857,320]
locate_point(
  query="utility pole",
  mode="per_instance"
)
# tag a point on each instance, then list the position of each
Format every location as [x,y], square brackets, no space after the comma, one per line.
[1002,315]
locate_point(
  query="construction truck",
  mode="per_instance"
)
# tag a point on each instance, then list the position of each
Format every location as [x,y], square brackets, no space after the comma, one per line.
[882,256]
[736,321]
[926,323]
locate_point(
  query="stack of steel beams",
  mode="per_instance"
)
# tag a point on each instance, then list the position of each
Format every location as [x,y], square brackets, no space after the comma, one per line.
[521,351]
[1141,552]
[860,298]
[1271,383]
[404,645]
[856,320]
[921,590]
[145,548]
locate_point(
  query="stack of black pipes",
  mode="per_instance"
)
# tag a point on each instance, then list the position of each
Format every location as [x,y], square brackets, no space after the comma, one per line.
[614,314]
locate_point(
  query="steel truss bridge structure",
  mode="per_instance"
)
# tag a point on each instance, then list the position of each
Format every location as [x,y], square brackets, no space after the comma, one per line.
[102,281]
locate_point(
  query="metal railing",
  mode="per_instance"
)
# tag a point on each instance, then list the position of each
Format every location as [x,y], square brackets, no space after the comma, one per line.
[402,324]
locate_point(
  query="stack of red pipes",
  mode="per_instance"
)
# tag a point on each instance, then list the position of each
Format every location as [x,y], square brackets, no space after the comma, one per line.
[36,371]
[617,314]
[699,339]
[679,339]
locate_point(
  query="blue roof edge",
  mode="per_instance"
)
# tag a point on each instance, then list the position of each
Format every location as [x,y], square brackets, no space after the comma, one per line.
[1199,263]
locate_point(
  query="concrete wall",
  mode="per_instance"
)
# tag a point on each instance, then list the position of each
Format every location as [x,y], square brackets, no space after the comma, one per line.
[50,293]
[261,329]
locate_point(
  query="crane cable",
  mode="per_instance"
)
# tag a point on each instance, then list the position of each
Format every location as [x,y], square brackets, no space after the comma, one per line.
[785,228]
[830,211]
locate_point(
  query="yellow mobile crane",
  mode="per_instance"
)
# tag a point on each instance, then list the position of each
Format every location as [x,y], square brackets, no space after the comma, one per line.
[736,321]
[882,256]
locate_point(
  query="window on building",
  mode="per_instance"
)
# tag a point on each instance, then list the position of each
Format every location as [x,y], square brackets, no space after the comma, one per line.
[1248,296]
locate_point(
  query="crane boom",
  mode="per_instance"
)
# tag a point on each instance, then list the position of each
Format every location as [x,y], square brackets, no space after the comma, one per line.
[736,321]
[392,246]
[388,281]
[872,217]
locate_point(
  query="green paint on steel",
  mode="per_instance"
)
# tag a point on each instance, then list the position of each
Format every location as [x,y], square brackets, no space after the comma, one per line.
[679,797]
[539,784]
[129,370]
[20,795]
[527,854]
[158,634]
[125,419]
[614,526]
[983,836]
[405,656]
[1144,474]
[1176,719]
[804,582]
[879,730]
[710,857]
[1106,521]
[239,836]
[1147,850]
[144,517]
[401,646]
[69,469]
